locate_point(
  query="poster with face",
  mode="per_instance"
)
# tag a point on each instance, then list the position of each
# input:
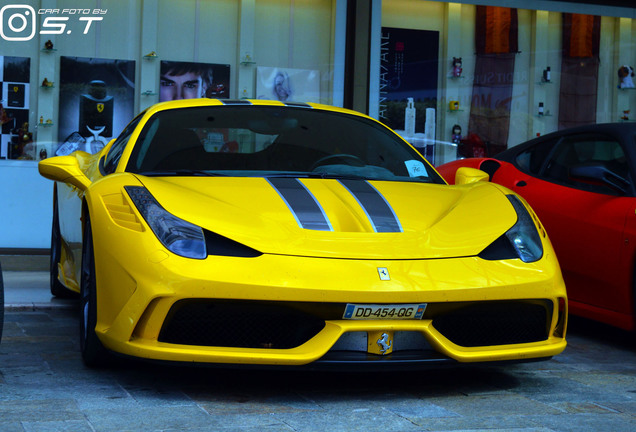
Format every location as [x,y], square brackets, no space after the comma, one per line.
[285,84]
[188,80]
[96,102]
[16,133]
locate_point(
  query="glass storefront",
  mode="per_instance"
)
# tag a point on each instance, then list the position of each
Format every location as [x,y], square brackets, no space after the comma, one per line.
[73,73]
[503,75]
[472,77]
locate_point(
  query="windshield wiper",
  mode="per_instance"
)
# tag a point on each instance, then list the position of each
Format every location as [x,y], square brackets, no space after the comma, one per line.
[181,172]
[286,175]
[327,175]
[317,175]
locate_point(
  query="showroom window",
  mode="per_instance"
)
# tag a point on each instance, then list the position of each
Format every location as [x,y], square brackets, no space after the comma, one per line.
[493,77]
[75,85]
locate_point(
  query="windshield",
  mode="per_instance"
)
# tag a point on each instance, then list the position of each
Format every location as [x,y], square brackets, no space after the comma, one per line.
[268,141]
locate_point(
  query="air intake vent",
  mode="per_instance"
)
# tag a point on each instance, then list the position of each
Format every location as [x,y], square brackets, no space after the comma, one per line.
[121,212]
[238,324]
[500,323]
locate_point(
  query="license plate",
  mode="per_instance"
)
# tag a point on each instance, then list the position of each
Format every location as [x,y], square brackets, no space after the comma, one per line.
[384,312]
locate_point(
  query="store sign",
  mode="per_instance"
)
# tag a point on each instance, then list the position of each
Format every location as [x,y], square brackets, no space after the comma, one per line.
[18,21]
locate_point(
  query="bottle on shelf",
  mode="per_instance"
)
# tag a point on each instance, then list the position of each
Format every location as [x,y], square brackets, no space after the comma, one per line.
[409,118]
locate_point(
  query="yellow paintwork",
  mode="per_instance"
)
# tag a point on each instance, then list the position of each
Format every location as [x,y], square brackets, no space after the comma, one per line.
[467,175]
[433,260]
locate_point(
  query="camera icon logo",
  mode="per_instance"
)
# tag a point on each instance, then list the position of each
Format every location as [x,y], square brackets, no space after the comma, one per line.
[17,22]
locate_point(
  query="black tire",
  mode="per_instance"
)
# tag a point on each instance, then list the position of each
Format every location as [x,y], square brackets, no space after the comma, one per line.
[57,289]
[1,303]
[93,352]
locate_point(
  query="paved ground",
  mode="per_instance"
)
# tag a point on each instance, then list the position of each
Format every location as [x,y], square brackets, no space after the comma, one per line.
[45,387]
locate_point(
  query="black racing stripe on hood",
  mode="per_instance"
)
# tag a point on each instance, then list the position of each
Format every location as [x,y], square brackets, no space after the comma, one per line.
[235,102]
[298,104]
[303,205]
[376,207]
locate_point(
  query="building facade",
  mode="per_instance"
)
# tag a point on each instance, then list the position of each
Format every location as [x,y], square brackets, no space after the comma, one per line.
[441,74]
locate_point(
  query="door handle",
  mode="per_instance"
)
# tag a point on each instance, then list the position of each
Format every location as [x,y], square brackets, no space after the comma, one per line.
[521,183]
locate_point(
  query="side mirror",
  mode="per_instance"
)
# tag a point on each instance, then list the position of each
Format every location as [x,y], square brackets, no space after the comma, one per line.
[465,175]
[64,169]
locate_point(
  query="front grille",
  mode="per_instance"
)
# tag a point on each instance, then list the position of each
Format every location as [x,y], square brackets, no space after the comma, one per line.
[238,324]
[500,323]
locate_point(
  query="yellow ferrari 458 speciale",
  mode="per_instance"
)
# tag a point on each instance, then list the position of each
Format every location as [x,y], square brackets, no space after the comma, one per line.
[270,233]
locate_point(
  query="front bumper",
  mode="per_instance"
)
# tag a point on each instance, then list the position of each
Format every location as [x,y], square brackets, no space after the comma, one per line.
[139,304]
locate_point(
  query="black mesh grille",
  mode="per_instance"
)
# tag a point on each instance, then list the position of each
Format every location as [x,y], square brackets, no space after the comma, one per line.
[238,324]
[500,323]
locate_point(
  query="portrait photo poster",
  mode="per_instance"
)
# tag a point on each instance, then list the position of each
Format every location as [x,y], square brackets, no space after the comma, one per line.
[187,80]
[288,85]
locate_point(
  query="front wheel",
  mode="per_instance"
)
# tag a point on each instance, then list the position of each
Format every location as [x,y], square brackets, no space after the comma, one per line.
[93,352]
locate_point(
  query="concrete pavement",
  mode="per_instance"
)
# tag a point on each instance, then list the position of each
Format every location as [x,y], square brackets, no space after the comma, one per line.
[26,284]
[44,385]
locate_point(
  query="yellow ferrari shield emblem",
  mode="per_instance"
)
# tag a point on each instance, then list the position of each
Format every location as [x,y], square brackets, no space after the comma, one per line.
[15,89]
[100,107]
[380,342]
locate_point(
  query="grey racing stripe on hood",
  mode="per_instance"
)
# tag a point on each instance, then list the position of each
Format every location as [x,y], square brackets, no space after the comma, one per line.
[374,204]
[303,205]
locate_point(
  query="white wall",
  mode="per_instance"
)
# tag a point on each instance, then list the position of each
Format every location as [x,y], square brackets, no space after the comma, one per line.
[25,206]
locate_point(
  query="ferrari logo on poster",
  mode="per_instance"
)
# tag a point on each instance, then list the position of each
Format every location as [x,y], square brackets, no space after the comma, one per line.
[15,89]
[100,107]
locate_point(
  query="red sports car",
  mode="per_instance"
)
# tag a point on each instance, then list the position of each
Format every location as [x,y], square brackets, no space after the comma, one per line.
[581,183]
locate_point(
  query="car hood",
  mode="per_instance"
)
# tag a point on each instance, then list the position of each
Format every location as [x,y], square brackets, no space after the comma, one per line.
[341,218]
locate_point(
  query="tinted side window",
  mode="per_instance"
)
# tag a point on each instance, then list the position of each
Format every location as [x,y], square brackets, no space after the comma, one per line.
[577,152]
[532,160]
[117,149]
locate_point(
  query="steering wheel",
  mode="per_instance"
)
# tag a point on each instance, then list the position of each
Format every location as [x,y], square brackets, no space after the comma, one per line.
[348,159]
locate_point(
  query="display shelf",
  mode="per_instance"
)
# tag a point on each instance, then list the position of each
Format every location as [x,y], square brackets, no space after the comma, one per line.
[247,60]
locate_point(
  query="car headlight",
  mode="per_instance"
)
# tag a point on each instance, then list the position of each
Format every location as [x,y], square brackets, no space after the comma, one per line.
[177,235]
[521,241]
